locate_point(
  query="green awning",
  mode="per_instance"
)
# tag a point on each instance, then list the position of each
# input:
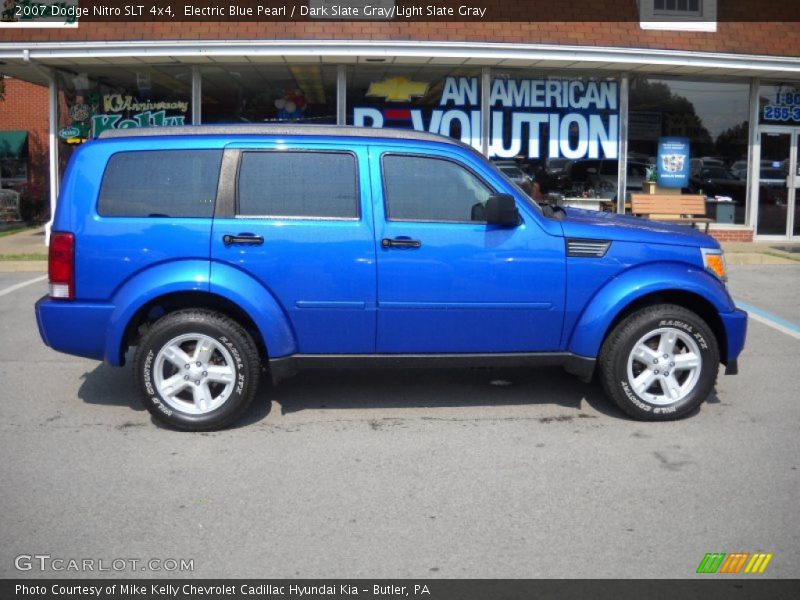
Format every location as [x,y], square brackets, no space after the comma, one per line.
[12,144]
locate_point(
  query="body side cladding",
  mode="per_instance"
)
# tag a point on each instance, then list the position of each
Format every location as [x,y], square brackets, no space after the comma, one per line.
[255,299]
[156,281]
[192,276]
[285,367]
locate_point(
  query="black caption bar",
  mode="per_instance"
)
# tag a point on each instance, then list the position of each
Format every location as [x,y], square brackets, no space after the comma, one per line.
[379,10]
[365,589]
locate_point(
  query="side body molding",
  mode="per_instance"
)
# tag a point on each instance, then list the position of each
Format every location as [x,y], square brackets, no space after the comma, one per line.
[637,282]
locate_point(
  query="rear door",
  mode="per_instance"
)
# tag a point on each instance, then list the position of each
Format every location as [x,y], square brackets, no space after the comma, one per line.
[300,222]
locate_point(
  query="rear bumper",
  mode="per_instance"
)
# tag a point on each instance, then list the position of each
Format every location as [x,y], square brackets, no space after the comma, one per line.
[77,328]
[735,324]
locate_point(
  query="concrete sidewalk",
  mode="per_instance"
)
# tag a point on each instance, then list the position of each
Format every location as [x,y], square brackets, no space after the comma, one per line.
[760,253]
[31,242]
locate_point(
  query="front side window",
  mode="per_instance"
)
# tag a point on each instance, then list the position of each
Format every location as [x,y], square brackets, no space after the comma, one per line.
[298,184]
[419,188]
[160,183]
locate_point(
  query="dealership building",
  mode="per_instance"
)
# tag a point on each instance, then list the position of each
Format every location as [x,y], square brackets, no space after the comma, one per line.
[586,107]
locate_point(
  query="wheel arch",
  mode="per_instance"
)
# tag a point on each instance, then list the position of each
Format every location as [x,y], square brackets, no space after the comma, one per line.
[160,306]
[655,283]
[688,300]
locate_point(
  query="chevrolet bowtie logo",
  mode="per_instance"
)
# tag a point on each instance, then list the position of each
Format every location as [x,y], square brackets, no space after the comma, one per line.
[397,89]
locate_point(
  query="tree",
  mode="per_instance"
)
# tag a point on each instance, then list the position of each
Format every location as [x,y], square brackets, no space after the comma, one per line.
[732,143]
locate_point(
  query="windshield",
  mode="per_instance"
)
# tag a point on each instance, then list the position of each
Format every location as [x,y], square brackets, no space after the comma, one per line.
[773,174]
[557,164]
[514,172]
[717,173]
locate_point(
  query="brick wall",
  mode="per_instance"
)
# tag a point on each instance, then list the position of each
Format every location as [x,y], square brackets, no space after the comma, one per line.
[25,107]
[732,235]
[771,38]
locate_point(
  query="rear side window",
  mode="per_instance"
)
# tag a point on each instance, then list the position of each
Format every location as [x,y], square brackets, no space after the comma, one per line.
[160,183]
[298,184]
[419,188]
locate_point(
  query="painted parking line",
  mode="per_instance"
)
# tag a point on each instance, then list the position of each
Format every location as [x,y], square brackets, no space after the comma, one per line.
[774,321]
[18,286]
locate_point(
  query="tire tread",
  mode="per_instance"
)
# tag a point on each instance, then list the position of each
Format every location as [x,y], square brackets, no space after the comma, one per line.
[616,339]
[248,352]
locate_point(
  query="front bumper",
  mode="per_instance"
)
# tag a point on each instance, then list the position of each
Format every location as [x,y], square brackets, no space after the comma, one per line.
[77,328]
[735,324]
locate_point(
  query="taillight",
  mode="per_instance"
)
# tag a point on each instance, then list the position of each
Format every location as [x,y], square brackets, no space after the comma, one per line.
[61,265]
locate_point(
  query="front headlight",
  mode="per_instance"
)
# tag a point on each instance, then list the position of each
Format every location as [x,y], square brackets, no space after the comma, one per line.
[714,262]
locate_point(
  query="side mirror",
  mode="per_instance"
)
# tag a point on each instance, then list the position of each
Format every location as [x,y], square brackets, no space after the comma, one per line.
[501,209]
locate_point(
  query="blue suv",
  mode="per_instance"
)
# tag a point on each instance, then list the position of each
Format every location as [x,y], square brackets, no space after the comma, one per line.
[218,252]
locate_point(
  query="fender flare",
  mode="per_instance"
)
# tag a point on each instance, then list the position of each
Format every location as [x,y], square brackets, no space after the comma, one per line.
[193,276]
[592,326]
[258,301]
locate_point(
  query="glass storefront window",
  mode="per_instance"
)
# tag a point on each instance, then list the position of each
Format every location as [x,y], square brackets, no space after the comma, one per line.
[441,100]
[95,98]
[712,117]
[779,104]
[258,93]
[561,128]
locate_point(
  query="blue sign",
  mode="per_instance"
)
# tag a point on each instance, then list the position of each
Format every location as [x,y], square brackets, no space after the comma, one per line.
[673,162]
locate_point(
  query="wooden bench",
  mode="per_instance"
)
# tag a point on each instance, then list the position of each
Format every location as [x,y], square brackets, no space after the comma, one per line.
[672,208]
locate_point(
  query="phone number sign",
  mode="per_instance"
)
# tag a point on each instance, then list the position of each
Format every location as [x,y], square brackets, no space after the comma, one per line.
[784,107]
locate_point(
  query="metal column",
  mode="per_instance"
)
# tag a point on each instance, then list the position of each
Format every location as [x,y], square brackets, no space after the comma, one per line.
[486,92]
[753,158]
[341,95]
[622,173]
[53,142]
[197,96]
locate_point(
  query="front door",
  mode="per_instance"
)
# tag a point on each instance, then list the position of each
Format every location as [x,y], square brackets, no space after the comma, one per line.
[447,281]
[779,179]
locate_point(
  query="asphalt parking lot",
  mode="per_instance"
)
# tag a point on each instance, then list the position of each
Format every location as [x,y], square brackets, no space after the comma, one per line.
[402,474]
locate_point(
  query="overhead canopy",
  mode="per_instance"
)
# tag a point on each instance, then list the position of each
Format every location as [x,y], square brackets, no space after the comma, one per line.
[12,144]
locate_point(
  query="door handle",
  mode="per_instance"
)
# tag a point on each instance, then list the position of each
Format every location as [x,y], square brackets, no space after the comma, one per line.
[400,242]
[247,239]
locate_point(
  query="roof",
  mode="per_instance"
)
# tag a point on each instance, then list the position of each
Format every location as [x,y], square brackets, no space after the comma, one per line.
[284,130]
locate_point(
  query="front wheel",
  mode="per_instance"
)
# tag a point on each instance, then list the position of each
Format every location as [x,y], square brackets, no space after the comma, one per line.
[660,363]
[197,370]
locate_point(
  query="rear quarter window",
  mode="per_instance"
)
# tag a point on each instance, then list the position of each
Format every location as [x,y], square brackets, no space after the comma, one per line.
[160,183]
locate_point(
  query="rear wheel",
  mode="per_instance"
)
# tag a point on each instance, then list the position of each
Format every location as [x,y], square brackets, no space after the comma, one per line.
[660,363]
[197,370]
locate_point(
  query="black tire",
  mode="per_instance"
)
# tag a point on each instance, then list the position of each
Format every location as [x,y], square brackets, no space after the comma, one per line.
[655,403]
[231,351]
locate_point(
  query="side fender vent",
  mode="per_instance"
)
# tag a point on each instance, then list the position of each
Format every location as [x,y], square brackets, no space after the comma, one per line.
[577,247]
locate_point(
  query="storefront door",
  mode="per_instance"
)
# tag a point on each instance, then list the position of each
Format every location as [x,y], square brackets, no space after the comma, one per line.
[778,181]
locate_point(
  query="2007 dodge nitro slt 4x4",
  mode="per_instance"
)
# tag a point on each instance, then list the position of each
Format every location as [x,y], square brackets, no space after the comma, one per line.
[218,251]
